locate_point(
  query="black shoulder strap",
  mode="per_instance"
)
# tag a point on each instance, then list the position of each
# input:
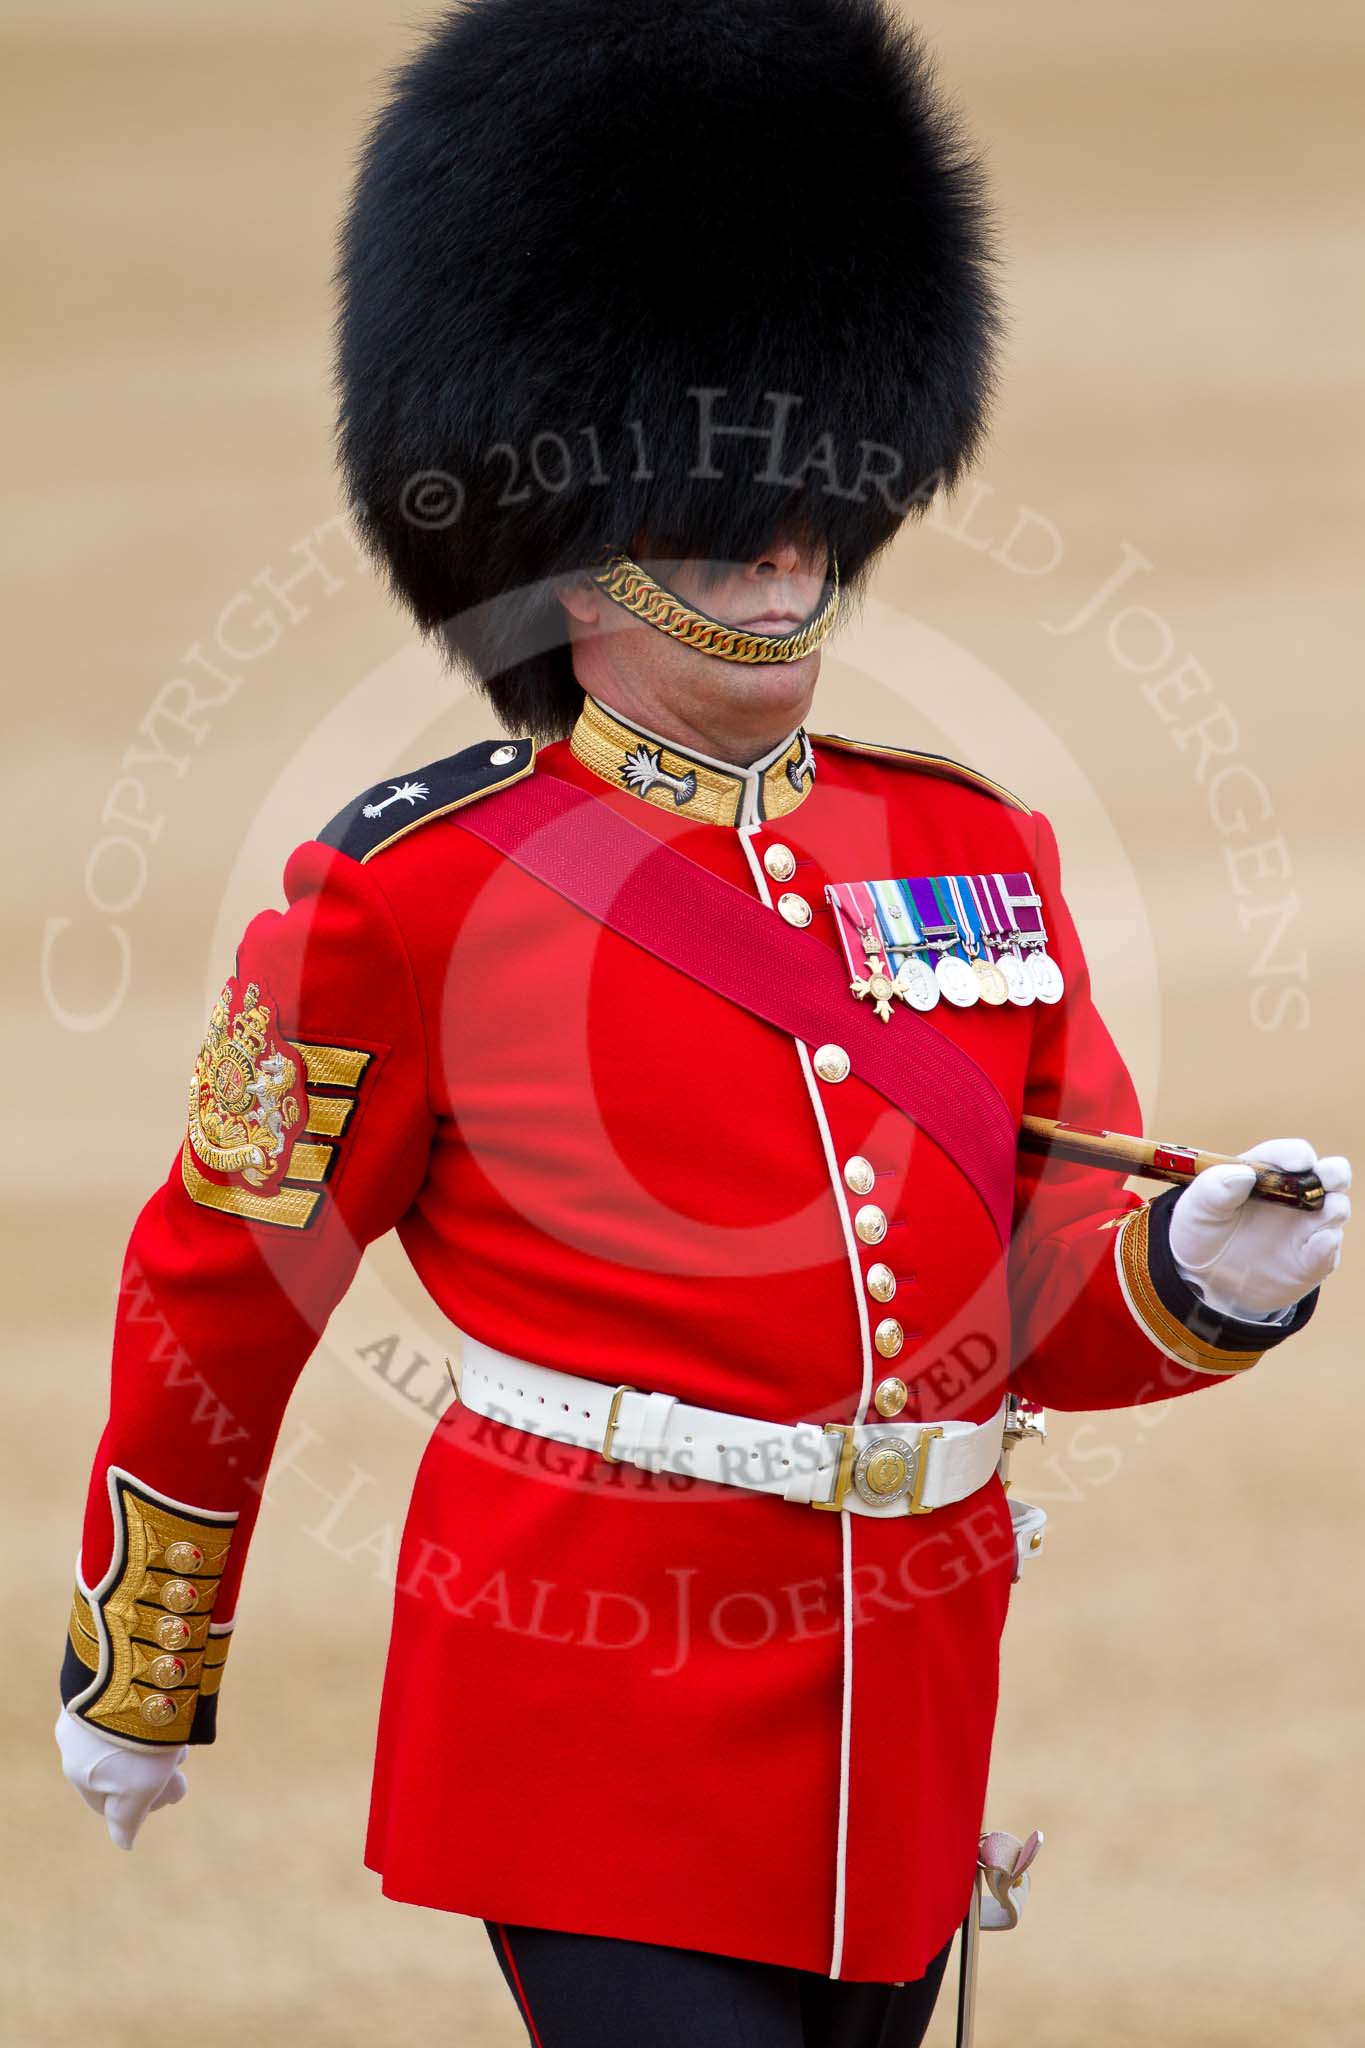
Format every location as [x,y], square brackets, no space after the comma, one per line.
[389,811]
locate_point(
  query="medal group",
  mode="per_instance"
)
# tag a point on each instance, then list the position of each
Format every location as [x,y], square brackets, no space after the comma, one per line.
[967,938]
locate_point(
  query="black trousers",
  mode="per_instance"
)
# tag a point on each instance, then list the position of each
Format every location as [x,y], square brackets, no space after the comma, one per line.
[592,1991]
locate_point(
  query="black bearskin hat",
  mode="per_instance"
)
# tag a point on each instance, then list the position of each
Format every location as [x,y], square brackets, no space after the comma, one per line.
[587,238]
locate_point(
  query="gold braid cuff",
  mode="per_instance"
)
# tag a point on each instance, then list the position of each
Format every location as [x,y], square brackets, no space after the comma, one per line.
[1165,1330]
[628,585]
[146,1638]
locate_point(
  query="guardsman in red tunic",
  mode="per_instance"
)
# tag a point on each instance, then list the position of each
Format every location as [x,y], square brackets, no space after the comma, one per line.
[685,1048]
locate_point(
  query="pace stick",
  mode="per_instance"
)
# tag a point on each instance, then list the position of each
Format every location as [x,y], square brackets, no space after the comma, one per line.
[1178,1163]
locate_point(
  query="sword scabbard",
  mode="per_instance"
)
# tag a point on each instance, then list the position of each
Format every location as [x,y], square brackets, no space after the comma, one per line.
[967,1966]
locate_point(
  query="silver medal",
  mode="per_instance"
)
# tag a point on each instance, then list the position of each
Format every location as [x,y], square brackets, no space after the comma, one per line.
[957,981]
[915,984]
[1018,980]
[1046,977]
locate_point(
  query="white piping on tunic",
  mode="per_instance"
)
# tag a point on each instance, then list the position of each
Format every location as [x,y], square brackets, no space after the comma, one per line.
[745,834]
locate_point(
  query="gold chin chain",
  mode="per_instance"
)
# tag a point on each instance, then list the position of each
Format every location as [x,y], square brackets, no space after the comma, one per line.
[627,584]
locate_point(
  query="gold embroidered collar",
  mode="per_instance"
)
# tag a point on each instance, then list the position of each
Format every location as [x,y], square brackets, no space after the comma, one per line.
[696,785]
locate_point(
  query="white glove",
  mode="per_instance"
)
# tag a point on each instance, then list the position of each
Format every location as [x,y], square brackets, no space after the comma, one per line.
[1252,1259]
[125,1785]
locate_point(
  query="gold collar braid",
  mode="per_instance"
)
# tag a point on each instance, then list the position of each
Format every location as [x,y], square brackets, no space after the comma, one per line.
[628,585]
[673,777]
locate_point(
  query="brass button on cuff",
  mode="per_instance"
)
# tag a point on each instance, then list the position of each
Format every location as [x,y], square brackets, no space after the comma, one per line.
[831,1063]
[890,1397]
[145,1636]
[794,908]
[881,1282]
[858,1175]
[780,863]
[870,1223]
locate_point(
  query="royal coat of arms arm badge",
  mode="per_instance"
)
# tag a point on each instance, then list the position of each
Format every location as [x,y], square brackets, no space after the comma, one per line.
[245,1104]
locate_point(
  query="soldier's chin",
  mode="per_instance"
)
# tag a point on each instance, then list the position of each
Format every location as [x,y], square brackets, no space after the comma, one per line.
[772,682]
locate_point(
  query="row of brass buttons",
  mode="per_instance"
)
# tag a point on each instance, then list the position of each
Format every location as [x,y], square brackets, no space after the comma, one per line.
[780,863]
[870,1226]
[833,1065]
[158,1710]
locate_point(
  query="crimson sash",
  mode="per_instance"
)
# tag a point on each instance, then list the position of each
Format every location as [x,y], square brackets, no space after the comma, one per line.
[704,926]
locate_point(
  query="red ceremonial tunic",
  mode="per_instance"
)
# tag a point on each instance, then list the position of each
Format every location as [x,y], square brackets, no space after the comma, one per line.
[622,1703]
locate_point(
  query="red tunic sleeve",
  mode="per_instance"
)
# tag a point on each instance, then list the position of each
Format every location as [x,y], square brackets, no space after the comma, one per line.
[1102,1317]
[309,1130]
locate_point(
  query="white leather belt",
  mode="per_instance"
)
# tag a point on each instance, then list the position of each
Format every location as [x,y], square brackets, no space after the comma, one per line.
[869,1468]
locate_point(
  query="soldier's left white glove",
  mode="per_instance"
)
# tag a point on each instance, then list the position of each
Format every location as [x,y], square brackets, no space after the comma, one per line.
[1253,1259]
[123,1785]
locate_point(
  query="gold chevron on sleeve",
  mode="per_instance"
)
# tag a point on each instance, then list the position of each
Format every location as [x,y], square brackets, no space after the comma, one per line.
[328,1115]
[332,1066]
[292,1207]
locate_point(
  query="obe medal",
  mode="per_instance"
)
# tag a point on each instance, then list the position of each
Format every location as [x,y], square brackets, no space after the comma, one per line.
[877,983]
[915,984]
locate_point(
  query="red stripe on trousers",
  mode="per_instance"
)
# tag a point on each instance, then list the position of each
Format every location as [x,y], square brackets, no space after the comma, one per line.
[521,1988]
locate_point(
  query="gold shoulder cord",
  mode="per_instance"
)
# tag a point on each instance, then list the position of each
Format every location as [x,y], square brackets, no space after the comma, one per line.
[628,585]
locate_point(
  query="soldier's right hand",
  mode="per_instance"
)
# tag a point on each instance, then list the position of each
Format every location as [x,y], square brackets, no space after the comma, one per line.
[124,1785]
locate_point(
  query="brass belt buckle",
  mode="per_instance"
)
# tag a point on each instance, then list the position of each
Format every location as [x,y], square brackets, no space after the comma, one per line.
[860,1469]
[612,1413]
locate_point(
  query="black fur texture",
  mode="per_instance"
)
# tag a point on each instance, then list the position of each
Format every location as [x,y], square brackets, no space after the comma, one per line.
[570,218]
